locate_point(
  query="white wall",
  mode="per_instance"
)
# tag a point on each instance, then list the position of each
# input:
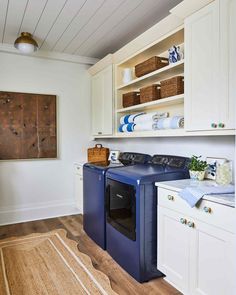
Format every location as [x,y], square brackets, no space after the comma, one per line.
[211,146]
[31,189]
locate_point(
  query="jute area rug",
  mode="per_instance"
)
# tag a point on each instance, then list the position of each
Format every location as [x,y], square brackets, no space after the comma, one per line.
[48,264]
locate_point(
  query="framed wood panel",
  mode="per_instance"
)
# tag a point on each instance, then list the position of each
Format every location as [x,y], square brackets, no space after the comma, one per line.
[28,126]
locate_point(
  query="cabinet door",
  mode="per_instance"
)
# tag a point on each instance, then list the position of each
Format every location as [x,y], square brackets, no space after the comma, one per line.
[108,101]
[212,261]
[173,248]
[97,104]
[228,62]
[202,37]
[102,102]
[79,192]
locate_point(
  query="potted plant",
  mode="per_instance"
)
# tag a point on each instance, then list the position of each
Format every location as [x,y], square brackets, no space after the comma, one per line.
[197,168]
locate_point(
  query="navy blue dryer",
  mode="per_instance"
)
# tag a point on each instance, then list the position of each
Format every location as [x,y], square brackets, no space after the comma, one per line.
[94,218]
[131,206]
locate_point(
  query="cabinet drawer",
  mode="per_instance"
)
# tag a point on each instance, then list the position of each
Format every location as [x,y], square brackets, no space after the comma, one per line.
[209,212]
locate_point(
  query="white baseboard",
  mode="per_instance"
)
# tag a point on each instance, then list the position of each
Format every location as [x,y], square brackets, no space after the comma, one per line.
[11,215]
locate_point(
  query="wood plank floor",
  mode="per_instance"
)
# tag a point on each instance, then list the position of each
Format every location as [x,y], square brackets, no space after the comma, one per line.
[121,282]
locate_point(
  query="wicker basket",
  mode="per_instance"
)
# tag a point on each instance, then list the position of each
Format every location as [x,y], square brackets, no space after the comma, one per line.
[98,154]
[131,99]
[150,93]
[172,86]
[152,64]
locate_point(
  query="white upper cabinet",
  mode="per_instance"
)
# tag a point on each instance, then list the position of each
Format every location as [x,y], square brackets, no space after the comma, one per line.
[209,60]
[228,61]
[102,102]
[202,51]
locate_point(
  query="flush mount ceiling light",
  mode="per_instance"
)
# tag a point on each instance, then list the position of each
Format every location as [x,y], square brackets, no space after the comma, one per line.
[25,43]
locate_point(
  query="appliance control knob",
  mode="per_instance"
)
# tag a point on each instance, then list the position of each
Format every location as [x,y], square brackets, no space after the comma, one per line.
[221,125]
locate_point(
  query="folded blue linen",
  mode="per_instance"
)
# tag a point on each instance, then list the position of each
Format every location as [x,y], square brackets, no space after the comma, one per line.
[193,194]
[126,127]
[129,118]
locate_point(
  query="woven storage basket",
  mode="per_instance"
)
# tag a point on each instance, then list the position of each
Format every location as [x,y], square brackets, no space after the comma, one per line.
[172,86]
[152,64]
[98,154]
[150,93]
[131,99]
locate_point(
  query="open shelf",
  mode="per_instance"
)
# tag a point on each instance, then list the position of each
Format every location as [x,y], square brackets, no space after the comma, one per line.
[158,75]
[157,48]
[172,100]
[173,105]
[153,133]
[167,133]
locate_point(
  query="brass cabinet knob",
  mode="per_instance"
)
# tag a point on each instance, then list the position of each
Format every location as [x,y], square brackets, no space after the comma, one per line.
[170,198]
[207,209]
[190,224]
[183,220]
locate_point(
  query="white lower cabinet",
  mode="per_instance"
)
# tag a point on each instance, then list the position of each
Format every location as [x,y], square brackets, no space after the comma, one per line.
[198,258]
[173,248]
[211,261]
[78,186]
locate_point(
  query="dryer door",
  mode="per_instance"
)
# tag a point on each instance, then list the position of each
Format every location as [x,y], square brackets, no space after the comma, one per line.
[121,207]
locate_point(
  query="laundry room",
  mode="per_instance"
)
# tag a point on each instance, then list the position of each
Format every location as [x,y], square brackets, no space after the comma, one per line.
[117,147]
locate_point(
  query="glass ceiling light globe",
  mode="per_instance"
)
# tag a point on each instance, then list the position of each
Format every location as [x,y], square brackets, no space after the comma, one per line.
[26,44]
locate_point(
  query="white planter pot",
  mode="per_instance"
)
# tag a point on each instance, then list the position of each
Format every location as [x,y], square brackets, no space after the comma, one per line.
[197,175]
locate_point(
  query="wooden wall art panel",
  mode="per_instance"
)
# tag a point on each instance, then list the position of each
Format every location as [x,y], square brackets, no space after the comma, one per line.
[27,126]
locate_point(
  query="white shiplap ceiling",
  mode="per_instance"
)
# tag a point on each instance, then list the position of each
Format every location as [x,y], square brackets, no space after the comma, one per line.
[91,28]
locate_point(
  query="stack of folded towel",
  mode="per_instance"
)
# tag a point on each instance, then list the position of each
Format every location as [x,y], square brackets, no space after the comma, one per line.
[150,121]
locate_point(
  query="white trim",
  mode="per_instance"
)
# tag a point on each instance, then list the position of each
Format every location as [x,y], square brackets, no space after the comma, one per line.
[8,48]
[188,7]
[12,215]
[101,64]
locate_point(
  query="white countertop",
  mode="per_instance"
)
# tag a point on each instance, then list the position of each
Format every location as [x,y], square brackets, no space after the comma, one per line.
[178,185]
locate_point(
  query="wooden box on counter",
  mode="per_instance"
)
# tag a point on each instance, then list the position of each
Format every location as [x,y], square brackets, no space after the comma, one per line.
[98,154]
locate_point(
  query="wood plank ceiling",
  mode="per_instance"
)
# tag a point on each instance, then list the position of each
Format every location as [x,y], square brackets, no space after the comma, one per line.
[90,28]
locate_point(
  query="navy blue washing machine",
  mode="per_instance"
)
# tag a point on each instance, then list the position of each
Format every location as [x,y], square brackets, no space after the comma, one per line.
[94,218]
[131,212]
